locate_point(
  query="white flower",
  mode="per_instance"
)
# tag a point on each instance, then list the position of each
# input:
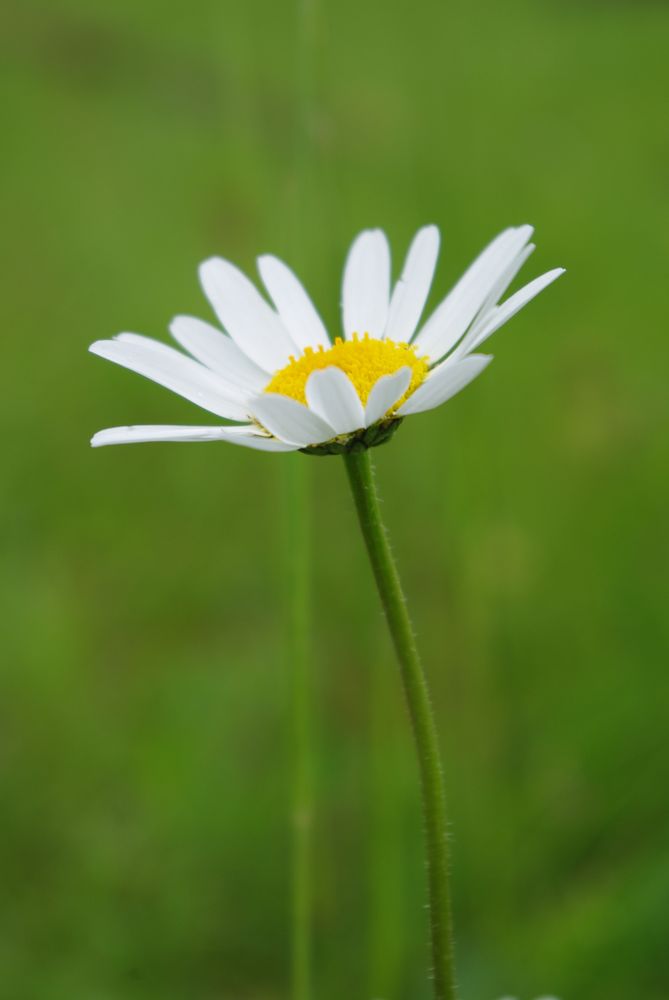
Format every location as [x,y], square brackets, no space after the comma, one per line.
[286,386]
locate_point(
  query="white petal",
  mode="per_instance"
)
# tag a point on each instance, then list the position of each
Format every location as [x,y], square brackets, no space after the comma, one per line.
[246,435]
[289,420]
[331,394]
[141,433]
[385,393]
[445,381]
[411,291]
[501,314]
[450,320]
[295,308]
[501,286]
[155,348]
[172,370]
[219,352]
[366,287]
[250,321]
[488,306]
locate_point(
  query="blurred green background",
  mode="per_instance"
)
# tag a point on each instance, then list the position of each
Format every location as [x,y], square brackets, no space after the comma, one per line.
[145,737]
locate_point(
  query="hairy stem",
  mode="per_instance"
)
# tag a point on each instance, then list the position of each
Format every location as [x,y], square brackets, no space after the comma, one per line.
[363,486]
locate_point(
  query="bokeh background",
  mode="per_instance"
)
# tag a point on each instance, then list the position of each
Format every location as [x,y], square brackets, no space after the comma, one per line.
[145,715]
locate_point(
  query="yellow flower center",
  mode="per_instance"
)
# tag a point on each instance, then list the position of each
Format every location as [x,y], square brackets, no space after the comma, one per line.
[364,360]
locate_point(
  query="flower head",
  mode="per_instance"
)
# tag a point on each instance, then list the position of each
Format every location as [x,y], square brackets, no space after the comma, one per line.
[285,385]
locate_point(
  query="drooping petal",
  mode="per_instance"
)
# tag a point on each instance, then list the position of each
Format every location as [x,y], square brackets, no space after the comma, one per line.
[289,420]
[366,287]
[444,382]
[250,321]
[385,393]
[174,371]
[246,435]
[296,310]
[502,313]
[411,291]
[219,352]
[450,319]
[331,394]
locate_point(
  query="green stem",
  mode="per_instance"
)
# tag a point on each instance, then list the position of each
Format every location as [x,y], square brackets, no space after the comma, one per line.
[363,486]
[297,564]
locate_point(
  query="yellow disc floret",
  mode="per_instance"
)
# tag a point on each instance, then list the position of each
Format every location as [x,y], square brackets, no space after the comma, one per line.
[363,359]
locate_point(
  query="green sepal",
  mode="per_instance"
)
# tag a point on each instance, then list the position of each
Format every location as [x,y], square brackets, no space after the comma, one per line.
[346,444]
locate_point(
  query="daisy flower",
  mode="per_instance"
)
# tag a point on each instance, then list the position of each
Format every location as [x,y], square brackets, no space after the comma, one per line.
[283,384]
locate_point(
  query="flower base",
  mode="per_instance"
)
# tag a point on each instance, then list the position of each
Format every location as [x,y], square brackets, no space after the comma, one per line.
[345,444]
